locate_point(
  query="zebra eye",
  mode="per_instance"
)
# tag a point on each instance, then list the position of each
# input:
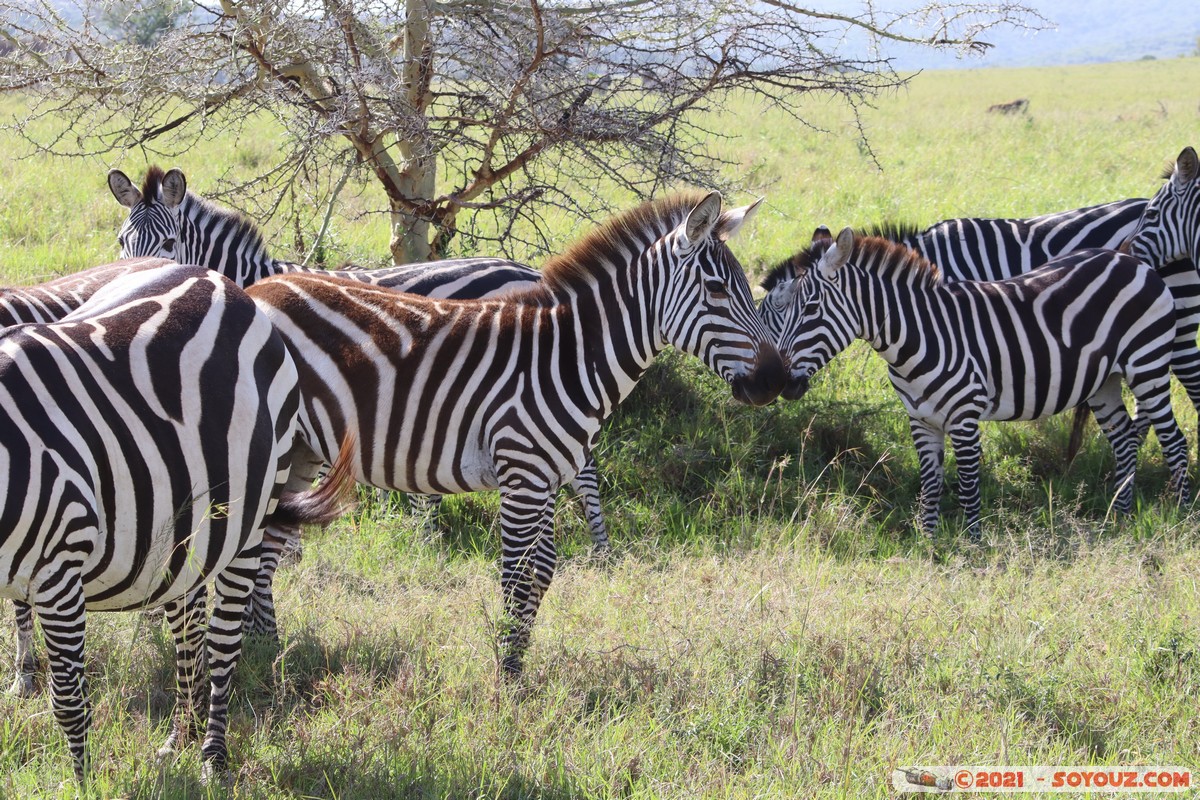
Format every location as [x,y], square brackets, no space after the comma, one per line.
[169,244]
[716,287]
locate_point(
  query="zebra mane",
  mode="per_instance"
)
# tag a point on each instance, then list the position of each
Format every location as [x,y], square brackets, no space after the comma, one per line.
[891,230]
[791,267]
[1168,171]
[233,220]
[622,233]
[797,264]
[888,258]
[875,253]
[153,180]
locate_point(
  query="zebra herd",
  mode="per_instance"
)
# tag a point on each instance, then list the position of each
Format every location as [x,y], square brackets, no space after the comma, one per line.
[167,414]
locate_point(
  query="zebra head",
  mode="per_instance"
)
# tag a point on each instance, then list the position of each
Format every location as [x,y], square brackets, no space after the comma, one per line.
[813,317]
[1169,229]
[152,227]
[708,310]
[781,283]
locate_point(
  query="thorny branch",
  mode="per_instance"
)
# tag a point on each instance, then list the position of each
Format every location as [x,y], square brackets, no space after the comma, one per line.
[476,118]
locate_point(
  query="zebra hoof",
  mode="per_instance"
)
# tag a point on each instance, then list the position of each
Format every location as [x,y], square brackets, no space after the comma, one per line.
[511,668]
[168,753]
[23,686]
[213,773]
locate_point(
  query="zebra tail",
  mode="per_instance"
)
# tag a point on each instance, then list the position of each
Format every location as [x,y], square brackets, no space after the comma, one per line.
[324,503]
[1081,418]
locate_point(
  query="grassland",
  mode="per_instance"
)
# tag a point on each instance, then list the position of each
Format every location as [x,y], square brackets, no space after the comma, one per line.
[771,626]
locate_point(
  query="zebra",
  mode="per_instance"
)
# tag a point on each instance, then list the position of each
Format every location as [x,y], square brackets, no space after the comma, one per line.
[986,249]
[49,302]
[455,396]
[967,351]
[1169,228]
[146,437]
[166,219]
[54,299]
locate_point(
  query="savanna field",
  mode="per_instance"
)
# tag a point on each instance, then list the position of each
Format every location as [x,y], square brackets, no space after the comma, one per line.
[770,624]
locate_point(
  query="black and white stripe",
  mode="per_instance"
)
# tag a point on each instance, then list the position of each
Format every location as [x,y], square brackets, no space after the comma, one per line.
[510,393]
[1169,228]
[50,302]
[145,439]
[967,351]
[167,220]
[989,249]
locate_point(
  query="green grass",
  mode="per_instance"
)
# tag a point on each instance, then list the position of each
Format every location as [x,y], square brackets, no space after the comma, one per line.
[771,625]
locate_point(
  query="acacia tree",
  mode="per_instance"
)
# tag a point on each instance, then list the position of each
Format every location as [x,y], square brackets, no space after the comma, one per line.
[465,113]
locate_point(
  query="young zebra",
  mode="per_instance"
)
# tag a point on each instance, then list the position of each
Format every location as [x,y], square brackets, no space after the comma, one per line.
[146,437]
[1169,228]
[993,249]
[510,393]
[963,352]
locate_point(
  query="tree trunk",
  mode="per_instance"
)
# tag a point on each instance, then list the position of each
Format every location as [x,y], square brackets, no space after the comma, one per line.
[417,177]
[410,237]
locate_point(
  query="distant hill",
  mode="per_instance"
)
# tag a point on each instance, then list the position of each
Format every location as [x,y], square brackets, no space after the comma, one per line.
[1087,31]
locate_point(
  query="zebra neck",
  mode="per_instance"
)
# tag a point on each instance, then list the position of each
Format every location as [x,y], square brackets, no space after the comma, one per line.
[223,241]
[616,318]
[894,316]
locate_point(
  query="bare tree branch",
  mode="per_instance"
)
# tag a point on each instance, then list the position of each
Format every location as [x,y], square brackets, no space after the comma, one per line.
[470,120]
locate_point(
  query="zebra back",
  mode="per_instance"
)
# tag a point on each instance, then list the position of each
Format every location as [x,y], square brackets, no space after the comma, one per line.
[167,220]
[56,298]
[989,249]
[981,249]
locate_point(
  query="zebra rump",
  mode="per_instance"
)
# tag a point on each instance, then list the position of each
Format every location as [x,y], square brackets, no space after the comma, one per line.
[145,441]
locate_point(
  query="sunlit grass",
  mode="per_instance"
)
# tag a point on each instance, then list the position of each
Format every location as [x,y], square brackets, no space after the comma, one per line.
[771,626]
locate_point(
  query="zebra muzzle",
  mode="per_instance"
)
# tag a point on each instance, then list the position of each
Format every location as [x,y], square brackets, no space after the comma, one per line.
[764,384]
[796,387]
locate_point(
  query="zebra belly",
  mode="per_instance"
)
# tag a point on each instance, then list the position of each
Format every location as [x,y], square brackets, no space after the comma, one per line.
[1054,398]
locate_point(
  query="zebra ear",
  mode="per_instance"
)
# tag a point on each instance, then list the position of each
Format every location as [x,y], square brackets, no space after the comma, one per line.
[1187,168]
[123,189]
[836,257]
[702,219]
[822,236]
[733,220]
[174,187]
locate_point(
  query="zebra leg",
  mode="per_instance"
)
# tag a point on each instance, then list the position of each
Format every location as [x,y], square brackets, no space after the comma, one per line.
[27,663]
[231,589]
[428,507]
[527,562]
[60,609]
[1155,400]
[259,618]
[186,620]
[587,485]
[964,437]
[1112,417]
[279,544]
[931,452]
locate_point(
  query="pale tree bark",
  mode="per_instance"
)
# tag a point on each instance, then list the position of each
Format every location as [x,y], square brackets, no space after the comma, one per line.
[473,118]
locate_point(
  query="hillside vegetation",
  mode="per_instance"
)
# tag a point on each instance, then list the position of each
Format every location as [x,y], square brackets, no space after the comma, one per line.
[771,625]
